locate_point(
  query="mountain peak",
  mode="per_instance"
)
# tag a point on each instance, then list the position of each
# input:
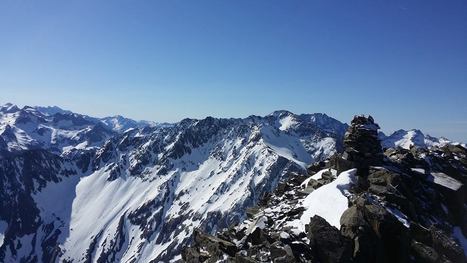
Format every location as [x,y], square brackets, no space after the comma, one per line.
[9,108]
[51,110]
[281,113]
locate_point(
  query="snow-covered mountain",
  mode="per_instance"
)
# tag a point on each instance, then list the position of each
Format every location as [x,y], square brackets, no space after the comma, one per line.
[57,130]
[406,139]
[120,124]
[83,189]
[80,189]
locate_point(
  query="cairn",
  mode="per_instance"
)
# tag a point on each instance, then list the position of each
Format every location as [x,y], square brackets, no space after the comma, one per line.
[362,147]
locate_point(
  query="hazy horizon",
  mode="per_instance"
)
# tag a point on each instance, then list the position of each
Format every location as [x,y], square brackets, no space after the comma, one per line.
[403,62]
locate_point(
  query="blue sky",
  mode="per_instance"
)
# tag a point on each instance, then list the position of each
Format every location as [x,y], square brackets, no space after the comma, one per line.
[404,62]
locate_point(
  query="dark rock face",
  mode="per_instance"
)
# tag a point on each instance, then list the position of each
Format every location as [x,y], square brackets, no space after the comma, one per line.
[377,235]
[327,242]
[208,247]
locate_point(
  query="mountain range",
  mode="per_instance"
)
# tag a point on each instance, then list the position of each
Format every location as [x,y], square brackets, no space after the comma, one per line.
[76,188]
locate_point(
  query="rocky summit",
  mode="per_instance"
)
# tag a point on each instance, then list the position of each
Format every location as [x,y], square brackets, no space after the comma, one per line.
[365,204]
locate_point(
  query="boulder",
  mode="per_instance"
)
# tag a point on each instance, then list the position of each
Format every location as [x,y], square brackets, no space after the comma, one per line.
[243,259]
[213,245]
[366,245]
[394,236]
[445,245]
[257,237]
[316,167]
[252,211]
[282,254]
[352,222]
[424,253]
[327,243]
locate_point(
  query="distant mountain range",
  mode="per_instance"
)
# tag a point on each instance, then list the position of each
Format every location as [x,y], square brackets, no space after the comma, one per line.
[85,189]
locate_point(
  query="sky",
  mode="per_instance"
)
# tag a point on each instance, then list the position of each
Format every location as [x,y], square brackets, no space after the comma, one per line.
[403,62]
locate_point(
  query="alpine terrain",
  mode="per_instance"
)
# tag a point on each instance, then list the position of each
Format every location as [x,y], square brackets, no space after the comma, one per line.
[278,188]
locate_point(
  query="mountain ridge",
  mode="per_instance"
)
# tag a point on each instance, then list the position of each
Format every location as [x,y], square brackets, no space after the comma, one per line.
[191,169]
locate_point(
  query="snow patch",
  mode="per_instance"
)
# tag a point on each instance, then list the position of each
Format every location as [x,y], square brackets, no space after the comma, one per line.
[287,122]
[445,180]
[399,215]
[329,201]
[317,176]
[3,226]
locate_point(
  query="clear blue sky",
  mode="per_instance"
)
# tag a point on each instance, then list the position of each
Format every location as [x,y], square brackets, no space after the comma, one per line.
[405,62]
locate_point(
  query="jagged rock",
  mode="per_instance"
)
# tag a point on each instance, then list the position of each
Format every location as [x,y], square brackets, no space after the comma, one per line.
[445,245]
[340,163]
[192,255]
[213,245]
[316,167]
[424,253]
[327,176]
[366,245]
[301,251]
[421,234]
[315,184]
[243,259]
[404,157]
[327,242]
[282,254]
[383,177]
[352,222]
[257,237]
[392,234]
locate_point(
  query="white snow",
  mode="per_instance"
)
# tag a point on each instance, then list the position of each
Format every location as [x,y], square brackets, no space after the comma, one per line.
[322,148]
[287,122]
[3,226]
[399,215]
[317,176]
[445,180]
[284,235]
[418,170]
[99,204]
[441,179]
[259,222]
[329,201]
[286,146]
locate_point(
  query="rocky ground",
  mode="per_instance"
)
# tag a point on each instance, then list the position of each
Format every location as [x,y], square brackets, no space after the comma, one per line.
[402,206]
